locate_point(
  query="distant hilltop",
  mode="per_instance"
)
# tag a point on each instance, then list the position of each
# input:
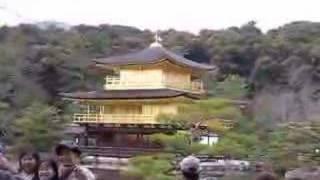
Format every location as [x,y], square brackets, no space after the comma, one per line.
[48,24]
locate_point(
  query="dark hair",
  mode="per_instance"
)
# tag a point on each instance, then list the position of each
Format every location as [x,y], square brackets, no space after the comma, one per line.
[71,147]
[266,176]
[34,155]
[52,164]
[190,175]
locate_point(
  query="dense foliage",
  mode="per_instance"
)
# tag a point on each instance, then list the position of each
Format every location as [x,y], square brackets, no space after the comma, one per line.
[285,146]
[211,112]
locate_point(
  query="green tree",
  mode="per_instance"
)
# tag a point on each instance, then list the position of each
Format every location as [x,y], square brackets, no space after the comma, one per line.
[178,143]
[234,50]
[232,87]
[242,141]
[210,112]
[294,145]
[40,125]
[155,167]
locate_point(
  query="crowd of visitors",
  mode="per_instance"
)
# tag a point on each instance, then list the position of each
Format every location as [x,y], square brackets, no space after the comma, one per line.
[190,168]
[65,164]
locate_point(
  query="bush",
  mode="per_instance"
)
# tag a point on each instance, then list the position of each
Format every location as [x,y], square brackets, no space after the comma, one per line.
[155,167]
[174,143]
[233,87]
[39,126]
[203,111]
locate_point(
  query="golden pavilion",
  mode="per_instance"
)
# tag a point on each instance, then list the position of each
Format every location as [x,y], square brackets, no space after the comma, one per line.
[142,86]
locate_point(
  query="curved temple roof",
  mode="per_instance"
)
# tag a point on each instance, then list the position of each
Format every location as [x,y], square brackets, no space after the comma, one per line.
[128,94]
[150,55]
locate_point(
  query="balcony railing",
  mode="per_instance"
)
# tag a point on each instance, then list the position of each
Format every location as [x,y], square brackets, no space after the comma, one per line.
[197,86]
[114,82]
[114,118]
[122,152]
[194,86]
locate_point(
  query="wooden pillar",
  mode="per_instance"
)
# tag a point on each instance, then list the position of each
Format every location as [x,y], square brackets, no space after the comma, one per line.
[86,136]
[117,139]
[143,140]
[148,140]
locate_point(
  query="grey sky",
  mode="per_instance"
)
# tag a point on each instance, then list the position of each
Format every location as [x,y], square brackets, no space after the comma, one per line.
[190,15]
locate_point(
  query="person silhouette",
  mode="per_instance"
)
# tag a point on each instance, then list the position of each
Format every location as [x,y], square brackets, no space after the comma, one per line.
[190,168]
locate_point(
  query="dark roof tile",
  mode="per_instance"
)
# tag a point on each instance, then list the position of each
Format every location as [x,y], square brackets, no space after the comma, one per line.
[152,55]
[128,94]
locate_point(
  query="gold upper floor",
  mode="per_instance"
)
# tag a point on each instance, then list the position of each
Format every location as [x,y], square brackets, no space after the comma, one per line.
[164,75]
[127,112]
[124,112]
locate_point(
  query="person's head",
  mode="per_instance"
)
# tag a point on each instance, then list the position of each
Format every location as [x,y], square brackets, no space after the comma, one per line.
[190,168]
[68,154]
[48,170]
[29,162]
[259,167]
[266,176]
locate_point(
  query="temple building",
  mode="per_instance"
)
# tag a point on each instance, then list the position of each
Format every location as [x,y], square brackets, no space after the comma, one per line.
[142,86]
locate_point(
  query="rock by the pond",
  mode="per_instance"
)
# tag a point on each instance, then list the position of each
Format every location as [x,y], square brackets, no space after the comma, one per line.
[304,173]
